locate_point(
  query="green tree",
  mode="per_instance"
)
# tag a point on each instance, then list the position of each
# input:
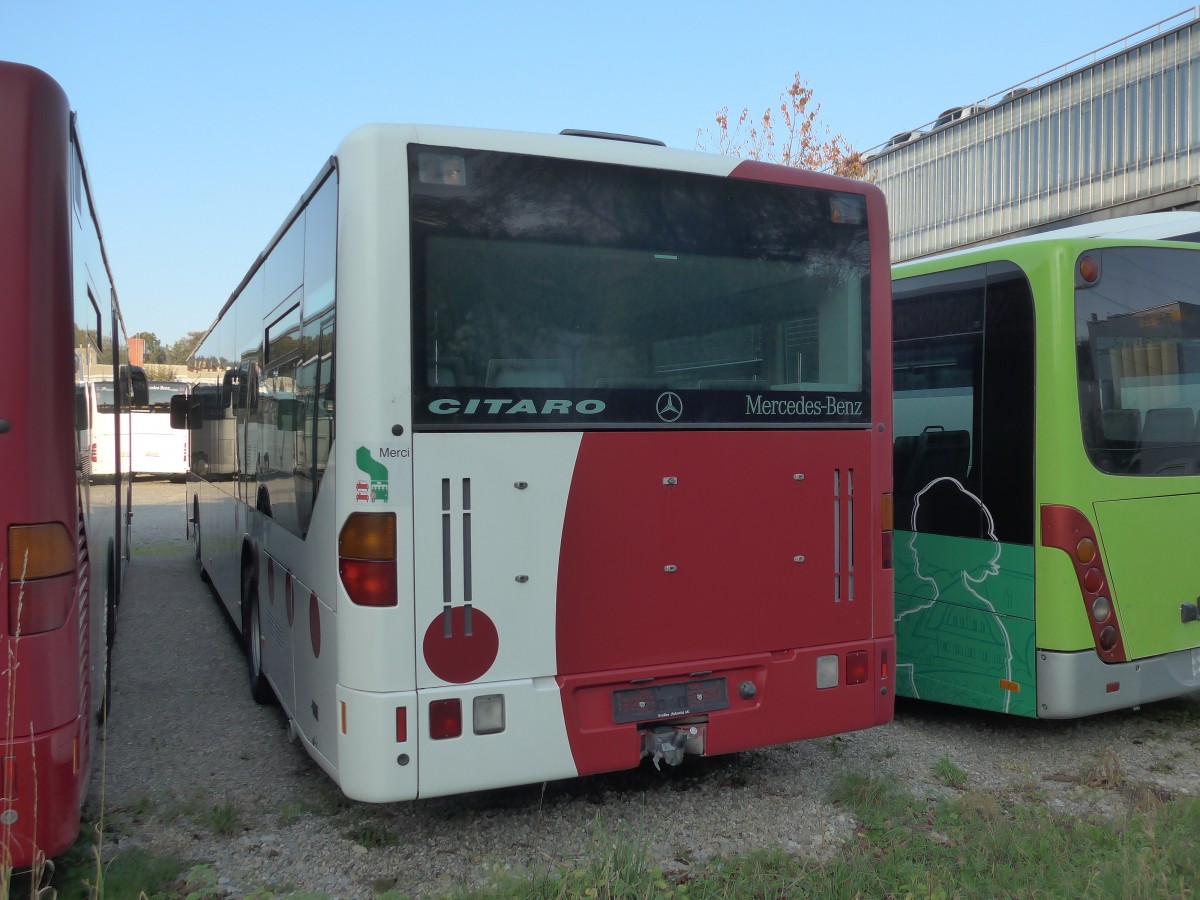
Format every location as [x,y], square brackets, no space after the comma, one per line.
[788,133]
[177,353]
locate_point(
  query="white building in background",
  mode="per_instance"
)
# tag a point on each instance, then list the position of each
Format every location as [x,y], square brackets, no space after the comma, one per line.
[1112,133]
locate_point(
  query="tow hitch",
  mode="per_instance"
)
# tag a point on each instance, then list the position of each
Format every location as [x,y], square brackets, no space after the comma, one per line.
[671,743]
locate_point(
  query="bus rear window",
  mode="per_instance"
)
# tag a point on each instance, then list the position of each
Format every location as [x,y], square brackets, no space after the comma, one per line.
[1137,315]
[558,293]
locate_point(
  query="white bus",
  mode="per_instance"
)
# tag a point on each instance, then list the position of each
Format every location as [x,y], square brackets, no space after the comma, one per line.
[553,453]
[106,443]
[157,448]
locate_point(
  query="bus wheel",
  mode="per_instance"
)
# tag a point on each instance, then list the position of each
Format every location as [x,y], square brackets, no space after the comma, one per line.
[200,464]
[252,637]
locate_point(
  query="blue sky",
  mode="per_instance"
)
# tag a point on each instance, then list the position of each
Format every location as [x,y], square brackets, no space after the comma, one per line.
[203,122]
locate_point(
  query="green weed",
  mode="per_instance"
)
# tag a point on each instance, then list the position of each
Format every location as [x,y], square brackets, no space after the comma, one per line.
[950,774]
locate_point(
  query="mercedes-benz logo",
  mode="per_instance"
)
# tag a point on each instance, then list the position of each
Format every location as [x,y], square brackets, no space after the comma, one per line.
[668,406]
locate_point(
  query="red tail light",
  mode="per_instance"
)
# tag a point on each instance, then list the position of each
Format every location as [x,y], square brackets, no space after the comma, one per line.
[41,563]
[856,667]
[94,452]
[445,719]
[367,558]
[369,583]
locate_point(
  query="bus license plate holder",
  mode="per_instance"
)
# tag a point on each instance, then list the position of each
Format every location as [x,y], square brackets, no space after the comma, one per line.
[668,701]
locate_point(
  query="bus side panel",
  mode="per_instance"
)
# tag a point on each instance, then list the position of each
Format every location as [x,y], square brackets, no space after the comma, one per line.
[277,606]
[221,515]
[315,651]
[965,622]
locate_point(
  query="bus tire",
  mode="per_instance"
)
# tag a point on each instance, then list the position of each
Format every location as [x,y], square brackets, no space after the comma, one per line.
[252,639]
[200,464]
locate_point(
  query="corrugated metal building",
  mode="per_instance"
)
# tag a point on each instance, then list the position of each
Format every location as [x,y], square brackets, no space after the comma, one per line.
[1112,133]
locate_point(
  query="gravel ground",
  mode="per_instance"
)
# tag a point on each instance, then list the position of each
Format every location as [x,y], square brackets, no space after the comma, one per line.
[194,767]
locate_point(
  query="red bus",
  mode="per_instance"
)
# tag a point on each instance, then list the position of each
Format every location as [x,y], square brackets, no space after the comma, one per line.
[64,537]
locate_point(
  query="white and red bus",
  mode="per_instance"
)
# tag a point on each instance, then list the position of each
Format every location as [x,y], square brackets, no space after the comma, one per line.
[63,540]
[553,453]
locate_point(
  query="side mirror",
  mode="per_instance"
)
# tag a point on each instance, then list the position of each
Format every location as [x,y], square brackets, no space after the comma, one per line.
[186,413]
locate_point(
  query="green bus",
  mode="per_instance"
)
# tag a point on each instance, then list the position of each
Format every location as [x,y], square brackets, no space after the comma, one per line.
[1047,471]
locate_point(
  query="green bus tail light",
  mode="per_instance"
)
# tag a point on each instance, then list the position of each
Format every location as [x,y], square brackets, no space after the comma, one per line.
[1069,530]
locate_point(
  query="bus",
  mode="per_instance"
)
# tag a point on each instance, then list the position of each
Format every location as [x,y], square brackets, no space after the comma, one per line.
[64,540]
[157,448]
[560,452]
[1047,470]
[111,431]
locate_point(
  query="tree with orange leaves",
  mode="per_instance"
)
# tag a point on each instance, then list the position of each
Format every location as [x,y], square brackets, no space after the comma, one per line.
[788,134]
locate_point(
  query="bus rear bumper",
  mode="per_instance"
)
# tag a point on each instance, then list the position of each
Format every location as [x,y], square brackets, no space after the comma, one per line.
[766,699]
[1071,685]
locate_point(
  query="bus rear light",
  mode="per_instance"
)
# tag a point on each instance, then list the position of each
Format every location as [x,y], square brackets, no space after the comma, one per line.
[856,667]
[369,583]
[827,672]
[367,558]
[94,457]
[1112,687]
[368,536]
[39,606]
[889,544]
[1066,528]
[1089,270]
[883,665]
[342,708]
[1085,550]
[39,551]
[445,719]
[401,724]
[488,714]
[1108,638]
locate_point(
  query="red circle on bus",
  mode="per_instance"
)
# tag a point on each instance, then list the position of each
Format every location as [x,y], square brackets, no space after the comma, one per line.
[314,623]
[461,658]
